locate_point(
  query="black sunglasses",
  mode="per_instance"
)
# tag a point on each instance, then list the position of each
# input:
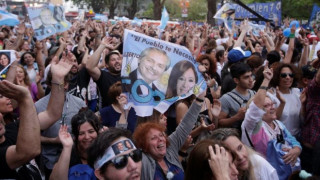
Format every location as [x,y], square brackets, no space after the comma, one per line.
[284,75]
[122,161]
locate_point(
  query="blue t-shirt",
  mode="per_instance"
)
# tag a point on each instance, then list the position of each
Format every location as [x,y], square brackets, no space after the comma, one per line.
[178,173]
[109,117]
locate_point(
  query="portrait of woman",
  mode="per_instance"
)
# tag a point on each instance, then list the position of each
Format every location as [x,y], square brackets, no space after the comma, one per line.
[4,59]
[183,77]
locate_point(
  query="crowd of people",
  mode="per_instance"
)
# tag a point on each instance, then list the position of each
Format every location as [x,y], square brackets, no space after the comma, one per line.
[63,113]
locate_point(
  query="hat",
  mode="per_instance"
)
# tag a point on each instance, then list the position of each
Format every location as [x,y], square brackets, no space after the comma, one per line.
[237,54]
[308,71]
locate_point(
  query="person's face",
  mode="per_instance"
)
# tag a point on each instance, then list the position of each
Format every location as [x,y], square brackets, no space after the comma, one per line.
[186,82]
[285,79]
[206,64]
[5,105]
[258,48]
[233,172]
[115,63]
[128,145]
[246,80]
[20,74]
[75,66]
[87,135]
[132,171]
[25,46]
[45,15]
[120,146]
[163,120]
[156,143]
[225,56]
[236,146]
[270,110]
[4,61]
[152,66]
[28,59]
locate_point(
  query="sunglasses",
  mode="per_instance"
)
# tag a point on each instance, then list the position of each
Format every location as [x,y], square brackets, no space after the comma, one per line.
[284,75]
[122,161]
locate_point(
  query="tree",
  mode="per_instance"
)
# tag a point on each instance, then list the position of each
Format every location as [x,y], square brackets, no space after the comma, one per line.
[98,6]
[212,9]
[132,9]
[112,5]
[158,5]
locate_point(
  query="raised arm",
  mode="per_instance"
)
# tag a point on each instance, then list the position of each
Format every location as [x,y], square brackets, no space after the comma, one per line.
[92,64]
[61,168]
[245,28]
[260,96]
[288,57]
[305,53]
[28,141]
[59,70]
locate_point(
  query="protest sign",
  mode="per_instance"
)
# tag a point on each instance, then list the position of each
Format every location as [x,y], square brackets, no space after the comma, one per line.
[269,10]
[315,16]
[227,14]
[156,73]
[47,20]
[6,58]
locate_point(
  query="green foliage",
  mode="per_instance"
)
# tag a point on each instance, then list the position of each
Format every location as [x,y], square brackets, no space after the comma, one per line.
[197,10]
[149,12]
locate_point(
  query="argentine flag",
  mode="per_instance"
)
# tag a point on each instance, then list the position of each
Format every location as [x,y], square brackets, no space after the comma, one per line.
[8,19]
[164,19]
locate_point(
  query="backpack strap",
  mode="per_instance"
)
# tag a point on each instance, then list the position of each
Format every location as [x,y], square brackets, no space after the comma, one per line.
[251,144]
[236,98]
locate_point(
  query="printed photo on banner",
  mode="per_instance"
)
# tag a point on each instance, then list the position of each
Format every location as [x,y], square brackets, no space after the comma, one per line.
[227,14]
[6,58]
[156,73]
[48,20]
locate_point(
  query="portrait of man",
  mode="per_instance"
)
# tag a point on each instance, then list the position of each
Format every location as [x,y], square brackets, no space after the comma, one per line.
[152,63]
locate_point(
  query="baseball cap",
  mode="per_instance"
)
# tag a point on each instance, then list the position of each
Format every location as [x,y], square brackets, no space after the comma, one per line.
[110,53]
[237,54]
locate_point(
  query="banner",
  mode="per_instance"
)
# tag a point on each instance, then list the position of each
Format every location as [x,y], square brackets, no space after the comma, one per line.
[227,14]
[8,19]
[156,73]
[315,16]
[269,10]
[48,20]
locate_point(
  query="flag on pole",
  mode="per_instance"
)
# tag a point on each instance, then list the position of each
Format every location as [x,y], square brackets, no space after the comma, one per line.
[8,19]
[164,19]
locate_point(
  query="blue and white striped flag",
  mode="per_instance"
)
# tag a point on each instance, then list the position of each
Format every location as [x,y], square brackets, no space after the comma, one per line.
[164,19]
[8,19]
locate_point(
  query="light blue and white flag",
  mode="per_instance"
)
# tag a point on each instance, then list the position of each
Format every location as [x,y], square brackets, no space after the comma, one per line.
[8,19]
[164,19]
[101,17]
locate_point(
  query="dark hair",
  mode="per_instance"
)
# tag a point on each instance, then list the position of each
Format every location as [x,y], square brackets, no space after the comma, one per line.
[107,58]
[219,54]
[277,71]
[104,141]
[198,166]
[254,61]
[84,115]
[22,57]
[212,62]
[254,44]
[114,91]
[273,56]
[238,69]
[176,72]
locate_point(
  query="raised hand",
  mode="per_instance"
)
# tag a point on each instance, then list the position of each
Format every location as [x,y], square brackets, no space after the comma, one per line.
[65,137]
[61,68]
[12,91]
[267,72]
[21,28]
[219,162]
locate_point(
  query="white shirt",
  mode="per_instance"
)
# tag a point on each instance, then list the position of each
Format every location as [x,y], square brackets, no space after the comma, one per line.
[262,168]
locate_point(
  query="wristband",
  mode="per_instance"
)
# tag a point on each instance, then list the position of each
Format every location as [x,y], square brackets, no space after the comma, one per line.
[263,87]
[199,100]
[60,85]
[292,36]
[182,154]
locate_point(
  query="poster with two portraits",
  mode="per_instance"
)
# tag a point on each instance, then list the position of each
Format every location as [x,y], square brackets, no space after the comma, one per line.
[155,73]
[47,20]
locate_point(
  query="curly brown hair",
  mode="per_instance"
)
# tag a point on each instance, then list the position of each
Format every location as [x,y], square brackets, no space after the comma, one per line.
[140,134]
[212,61]
[277,71]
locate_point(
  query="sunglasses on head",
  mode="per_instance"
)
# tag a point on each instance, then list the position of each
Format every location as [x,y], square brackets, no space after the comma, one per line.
[122,161]
[284,75]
